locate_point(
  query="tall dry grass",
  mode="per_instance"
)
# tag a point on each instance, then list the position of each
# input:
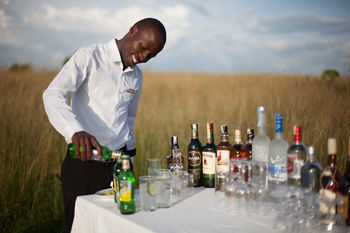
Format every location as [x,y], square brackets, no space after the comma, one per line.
[31,151]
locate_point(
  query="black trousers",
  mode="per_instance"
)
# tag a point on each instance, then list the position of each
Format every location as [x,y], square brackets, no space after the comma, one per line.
[83,178]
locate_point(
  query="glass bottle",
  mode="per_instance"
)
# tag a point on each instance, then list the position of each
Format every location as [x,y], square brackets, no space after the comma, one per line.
[194,150]
[330,178]
[175,159]
[311,171]
[277,169]
[237,145]
[296,157]
[209,158]
[126,187]
[261,142]
[107,154]
[224,152]
[116,171]
[247,149]
[344,192]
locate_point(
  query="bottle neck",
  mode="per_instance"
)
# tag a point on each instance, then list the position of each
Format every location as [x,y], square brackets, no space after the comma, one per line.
[250,138]
[126,164]
[224,138]
[262,129]
[194,134]
[311,157]
[332,160]
[210,138]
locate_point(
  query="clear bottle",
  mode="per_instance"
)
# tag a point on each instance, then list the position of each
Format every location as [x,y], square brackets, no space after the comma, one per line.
[209,158]
[126,187]
[343,193]
[311,171]
[237,145]
[175,160]
[330,178]
[247,149]
[194,152]
[296,157]
[261,142]
[277,169]
[224,152]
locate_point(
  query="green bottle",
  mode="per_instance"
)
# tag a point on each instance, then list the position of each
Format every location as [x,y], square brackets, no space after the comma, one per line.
[107,154]
[209,158]
[194,151]
[116,171]
[126,187]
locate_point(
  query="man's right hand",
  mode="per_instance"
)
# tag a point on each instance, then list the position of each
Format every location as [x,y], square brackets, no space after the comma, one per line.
[86,141]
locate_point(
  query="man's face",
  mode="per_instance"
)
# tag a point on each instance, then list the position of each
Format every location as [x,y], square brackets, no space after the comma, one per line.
[141,46]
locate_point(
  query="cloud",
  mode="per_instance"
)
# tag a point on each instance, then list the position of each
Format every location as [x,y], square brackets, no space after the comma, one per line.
[106,22]
[299,22]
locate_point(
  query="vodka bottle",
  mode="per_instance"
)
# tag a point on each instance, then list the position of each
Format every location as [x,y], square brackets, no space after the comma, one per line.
[175,160]
[311,171]
[296,157]
[277,172]
[261,141]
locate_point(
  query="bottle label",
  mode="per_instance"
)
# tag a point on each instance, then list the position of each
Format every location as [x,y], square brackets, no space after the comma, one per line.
[223,161]
[294,166]
[343,207]
[327,195]
[209,163]
[194,163]
[125,190]
[278,172]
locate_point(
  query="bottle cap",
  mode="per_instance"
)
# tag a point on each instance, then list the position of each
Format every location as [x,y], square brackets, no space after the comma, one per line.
[297,133]
[238,135]
[250,131]
[332,146]
[278,122]
[224,130]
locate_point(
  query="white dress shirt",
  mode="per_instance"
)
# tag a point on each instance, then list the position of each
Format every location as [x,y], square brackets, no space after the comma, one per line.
[104,97]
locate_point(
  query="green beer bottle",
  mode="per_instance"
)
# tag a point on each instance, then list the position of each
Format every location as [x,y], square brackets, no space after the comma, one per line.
[116,171]
[126,187]
[107,154]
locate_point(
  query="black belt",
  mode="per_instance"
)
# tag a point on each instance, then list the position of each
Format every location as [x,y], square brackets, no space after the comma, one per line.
[131,153]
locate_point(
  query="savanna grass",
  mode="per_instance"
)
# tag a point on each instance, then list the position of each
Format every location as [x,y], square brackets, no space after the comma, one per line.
[31,151]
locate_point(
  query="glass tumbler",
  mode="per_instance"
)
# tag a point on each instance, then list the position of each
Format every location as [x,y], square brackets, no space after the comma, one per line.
[148,193]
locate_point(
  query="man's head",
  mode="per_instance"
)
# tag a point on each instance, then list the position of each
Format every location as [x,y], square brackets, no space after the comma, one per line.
[144,40]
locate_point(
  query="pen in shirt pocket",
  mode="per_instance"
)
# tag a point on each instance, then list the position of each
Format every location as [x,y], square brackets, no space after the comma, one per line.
[132,91]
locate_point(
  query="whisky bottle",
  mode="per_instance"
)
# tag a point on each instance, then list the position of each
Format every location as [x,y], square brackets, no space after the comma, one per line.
[311,171]
[344,192]
[296,157]
[126,187]
[237,145]
[194,152]
[330,178]
[247,149]
[224,152]
[209,158]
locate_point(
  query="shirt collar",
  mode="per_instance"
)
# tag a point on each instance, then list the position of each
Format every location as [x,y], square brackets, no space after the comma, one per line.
[115,55]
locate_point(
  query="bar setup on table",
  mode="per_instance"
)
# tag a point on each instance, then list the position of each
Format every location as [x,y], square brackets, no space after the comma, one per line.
[262,186]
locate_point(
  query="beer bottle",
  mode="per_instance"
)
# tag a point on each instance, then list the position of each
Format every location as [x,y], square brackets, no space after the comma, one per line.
[126,187]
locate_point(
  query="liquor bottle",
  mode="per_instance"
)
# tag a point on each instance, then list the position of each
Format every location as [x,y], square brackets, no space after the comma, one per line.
[224,152]
[126,187]
[107,154]
[209,158]
[296,157]
[175,159]
[277,170]
[247,149]
[116,171]
[194,152]
[237,145]
[311,171]
[344,192]
[330,178]
[261,142]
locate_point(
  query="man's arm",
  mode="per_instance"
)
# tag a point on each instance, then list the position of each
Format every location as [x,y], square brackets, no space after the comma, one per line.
[60,114]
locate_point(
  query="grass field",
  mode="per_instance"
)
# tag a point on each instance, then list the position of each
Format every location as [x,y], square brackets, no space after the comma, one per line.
[31,151]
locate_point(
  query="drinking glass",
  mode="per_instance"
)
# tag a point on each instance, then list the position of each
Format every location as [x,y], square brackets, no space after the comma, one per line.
[153,164]
[148,193]
[163,181]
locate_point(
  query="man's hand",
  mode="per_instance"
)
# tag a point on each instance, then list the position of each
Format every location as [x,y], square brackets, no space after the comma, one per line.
[86,141]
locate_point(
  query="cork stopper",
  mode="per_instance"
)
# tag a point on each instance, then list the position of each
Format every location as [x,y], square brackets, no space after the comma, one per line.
[332,146]
[238,135]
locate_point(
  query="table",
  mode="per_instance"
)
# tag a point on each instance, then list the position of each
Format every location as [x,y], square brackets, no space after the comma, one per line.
[198,213]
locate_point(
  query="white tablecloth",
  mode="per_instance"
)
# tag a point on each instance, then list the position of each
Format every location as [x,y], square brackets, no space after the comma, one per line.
[198,213]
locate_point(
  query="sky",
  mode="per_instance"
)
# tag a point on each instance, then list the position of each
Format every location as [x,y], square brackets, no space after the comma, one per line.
[215,36]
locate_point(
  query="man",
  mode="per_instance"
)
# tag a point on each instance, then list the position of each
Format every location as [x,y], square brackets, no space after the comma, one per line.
[104,82]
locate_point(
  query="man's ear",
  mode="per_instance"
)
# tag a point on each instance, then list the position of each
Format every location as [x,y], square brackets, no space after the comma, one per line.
[133,30]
